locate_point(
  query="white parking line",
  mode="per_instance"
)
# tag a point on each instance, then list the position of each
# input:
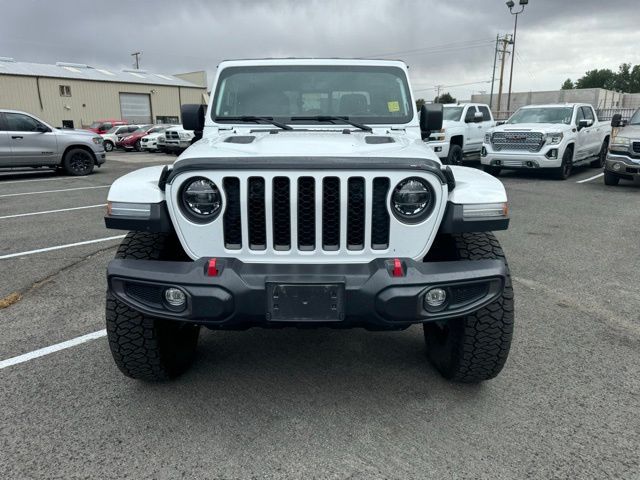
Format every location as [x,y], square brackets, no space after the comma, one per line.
[590,178]
[60,247]
[52,191]
[51,349]
[53,177]
[52,211]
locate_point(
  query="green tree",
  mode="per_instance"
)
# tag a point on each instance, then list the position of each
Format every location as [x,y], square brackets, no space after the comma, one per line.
[603,78]
[622,82]
[567,85]
[444,98]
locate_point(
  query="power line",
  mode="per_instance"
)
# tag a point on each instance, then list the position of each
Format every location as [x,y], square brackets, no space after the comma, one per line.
[436,48]
[437,87]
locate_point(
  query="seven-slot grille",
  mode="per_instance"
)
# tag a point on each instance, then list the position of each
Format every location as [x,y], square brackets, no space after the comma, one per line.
[527,141]
[306,213]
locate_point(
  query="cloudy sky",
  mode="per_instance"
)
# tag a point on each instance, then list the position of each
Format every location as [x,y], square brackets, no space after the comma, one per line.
[445,42]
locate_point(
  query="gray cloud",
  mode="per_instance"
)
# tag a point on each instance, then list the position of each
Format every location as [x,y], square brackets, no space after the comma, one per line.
[444,42]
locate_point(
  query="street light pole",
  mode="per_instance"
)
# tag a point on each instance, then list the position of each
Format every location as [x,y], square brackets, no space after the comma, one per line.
[511,4]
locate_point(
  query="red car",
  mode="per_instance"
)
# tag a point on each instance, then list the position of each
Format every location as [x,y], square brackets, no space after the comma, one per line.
[102,126]
[132,141]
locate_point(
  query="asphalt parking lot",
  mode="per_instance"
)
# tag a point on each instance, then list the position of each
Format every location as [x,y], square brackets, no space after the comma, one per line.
[322,403]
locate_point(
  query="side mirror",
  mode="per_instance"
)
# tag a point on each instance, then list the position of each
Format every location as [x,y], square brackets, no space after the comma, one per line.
[584,123]
[193,116]
[478,117]
[500,122]
[616,120]
[431,117]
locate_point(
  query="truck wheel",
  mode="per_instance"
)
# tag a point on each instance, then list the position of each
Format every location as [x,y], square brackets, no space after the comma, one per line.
[78,162]
[602,156]
[564,170]
[147,348]
[495,171]
[473,348]
[108,146]
[611,179]
[455,155]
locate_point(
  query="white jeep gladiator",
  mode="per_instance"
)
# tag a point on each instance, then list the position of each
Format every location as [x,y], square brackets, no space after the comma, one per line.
[462,132]
[556,137]
[311,201]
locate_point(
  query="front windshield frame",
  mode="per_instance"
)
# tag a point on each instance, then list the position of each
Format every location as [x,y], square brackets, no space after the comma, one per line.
[635,118]
[406,109]
[453,118]
[515,118]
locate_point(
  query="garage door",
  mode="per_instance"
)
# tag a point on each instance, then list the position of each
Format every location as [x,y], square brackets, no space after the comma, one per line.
[135,107]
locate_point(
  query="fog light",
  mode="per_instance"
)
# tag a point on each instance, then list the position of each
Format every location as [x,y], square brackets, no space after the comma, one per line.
[175,297]
[616,166]
[435,297]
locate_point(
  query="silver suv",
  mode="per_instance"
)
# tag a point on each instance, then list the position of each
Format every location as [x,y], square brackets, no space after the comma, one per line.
[27,141]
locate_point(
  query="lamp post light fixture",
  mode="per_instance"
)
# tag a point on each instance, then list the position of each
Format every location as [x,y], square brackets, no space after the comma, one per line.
[511,4]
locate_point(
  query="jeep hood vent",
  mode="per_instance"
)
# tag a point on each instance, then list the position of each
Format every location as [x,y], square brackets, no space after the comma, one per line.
[243,139]
[378,139]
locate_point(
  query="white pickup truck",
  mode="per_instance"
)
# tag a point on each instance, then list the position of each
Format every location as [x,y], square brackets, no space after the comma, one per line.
[462,132]
[556,137]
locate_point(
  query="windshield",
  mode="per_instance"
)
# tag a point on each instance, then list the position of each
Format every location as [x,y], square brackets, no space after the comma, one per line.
[367,94]
[95,125]
[156,129]
[543,115]
[635,120]
[112,129]
[452,113]
[140,130]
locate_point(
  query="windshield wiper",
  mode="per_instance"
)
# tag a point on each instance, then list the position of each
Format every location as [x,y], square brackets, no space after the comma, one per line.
[253,118]
[334,119]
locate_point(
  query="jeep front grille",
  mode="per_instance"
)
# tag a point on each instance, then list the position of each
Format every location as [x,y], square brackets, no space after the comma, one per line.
[521,141]
[306,213]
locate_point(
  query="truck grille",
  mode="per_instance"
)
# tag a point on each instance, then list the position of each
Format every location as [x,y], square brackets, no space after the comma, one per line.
[172,136]
[307,213]
[522,141]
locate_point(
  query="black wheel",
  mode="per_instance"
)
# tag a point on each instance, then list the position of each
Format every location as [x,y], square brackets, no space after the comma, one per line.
[564,170]
[78,162]
[138,146]
[147,348]
[108,146]
[495,171]
[473,348]
[602,156]
[455,155]
[611,179]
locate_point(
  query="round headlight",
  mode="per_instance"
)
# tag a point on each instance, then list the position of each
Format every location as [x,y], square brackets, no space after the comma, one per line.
[412,199]
[201,200]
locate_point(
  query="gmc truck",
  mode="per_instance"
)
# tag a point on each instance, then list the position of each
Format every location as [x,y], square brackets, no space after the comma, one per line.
[311,200]
[623,158]
[552,137]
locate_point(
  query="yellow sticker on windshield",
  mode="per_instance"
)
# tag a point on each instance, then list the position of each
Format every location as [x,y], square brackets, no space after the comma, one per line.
[393,106]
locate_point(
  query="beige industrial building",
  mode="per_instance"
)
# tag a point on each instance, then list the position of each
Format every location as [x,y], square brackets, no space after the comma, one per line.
[75,95]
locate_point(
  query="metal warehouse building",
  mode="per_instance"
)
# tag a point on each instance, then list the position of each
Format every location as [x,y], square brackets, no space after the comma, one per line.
[75,95]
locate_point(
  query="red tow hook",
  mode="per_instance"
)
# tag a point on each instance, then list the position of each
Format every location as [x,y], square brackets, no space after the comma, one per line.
[397,268]
[212,268]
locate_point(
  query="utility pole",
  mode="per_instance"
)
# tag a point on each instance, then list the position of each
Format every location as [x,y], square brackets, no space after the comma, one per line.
[493,75]
[504,51]
[438,87]
[511,4]
[137,54]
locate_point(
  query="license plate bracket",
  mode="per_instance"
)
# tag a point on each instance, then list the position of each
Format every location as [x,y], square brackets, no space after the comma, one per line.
[305,302]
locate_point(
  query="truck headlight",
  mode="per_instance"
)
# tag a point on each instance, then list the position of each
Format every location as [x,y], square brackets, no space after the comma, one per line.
[412,200]
[97,140]
[184,136]
[554,138]
[619,141]
[200,199]
[487,138]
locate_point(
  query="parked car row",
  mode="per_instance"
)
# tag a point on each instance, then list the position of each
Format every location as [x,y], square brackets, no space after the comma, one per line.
[149,138]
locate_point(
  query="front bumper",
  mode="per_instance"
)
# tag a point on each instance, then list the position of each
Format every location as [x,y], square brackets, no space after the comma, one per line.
[100,155]
[440,148]
[174,146]
[149,145]
[550,156]
[241,295]
[623,166]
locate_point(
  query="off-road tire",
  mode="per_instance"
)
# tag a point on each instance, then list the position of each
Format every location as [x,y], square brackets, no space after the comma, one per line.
[474,348]
[566,167]
[78,162]
[602,156]
[147,348]
[611,179]
[495,171]
[455,155]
